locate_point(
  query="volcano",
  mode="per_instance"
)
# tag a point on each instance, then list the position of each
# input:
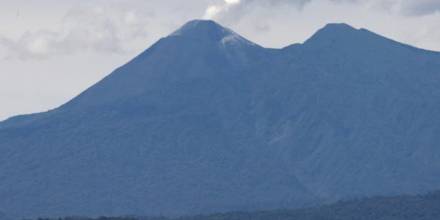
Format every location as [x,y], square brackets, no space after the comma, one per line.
[207,121]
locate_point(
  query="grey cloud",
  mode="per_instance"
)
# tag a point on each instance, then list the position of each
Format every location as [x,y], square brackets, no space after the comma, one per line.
[408,7]
[404,7]
[86,27]
[420,7]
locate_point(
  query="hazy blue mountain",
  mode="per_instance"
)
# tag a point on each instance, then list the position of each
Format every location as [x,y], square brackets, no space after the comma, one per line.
[207,121]
[3,216]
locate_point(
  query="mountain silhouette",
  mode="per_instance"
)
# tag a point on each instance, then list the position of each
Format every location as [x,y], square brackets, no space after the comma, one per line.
[207,121]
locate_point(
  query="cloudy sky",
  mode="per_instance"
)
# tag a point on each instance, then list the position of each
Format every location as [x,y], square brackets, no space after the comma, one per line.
[51,50]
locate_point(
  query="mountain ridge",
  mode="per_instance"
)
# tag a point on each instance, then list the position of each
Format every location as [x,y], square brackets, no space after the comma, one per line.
[200,126]
[215,25]
[210,24]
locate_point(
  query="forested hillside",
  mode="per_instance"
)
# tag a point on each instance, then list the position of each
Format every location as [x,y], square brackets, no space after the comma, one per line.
[426,207]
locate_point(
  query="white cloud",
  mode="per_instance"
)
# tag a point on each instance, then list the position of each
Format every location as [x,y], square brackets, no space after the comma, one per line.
[232,1]
[213,10]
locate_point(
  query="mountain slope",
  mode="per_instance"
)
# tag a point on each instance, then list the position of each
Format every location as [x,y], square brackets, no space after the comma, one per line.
[169,127]
[207,121]
[415,207]
[378,208]
[362,108]
[3,216]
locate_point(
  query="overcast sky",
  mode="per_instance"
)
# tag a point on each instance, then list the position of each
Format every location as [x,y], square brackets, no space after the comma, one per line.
[51,50]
